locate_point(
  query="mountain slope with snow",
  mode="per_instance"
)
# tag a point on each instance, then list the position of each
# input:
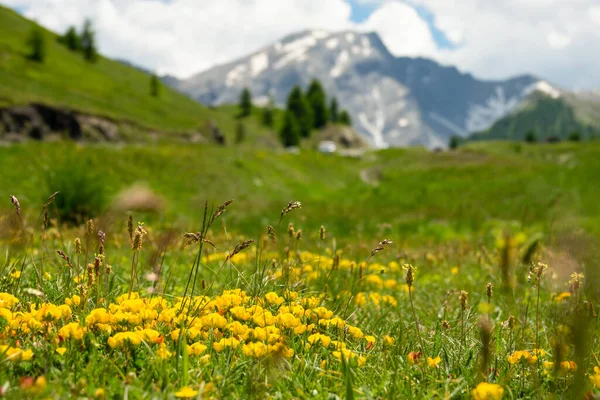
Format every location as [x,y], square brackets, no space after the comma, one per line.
[393,101]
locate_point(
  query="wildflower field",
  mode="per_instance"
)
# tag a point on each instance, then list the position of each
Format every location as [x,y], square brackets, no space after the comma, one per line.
[115,308]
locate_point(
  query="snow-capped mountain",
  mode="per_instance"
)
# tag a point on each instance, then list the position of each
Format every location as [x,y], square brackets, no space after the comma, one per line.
[393,101]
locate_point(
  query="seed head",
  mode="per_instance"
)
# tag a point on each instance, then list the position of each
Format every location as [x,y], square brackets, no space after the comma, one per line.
[291,231]
[78,246]
[445,325]
[380,246]
[536,271]
[17,205]
[322,233]
[238,248]
[510,322]
[130,228]
[220,210]
[410,274]
[101,238]
[138,239]
[46,220]
[64,257]
[91,229]
[292,205]
[463,298]
[299,234]
[489,290]
[271,233]
[50,199]
[576,280]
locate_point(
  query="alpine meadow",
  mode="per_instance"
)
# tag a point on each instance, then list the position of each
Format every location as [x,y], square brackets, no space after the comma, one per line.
[318,218]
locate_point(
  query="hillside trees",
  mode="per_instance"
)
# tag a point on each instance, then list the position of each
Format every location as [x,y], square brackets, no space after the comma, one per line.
[300,108]
[318,102]
[245,103]
[37,45]
[71,39]
[290,131]
[88,42]
[154,86]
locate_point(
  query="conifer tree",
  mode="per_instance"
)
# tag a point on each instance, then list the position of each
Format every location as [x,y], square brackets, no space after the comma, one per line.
[71,39]
[334,111]
[290,131]
[245,103]
[267,115]
[88,42]
[317,99]
[299,106]
[37,45]
[154,86]
[344,118]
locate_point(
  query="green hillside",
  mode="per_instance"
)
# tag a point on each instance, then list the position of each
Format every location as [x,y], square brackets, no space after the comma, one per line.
[546,117]
[105,88]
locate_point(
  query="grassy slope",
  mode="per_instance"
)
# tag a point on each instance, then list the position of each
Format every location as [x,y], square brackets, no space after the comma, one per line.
[421,194]
[106,88]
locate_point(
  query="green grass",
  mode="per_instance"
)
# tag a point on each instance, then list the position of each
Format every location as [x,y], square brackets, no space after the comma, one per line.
[411,192]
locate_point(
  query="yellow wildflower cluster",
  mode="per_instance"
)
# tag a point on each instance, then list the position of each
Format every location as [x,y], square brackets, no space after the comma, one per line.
[231,321]
[526,357]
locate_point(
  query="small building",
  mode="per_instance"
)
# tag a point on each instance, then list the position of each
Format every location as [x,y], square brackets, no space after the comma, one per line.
[327,146]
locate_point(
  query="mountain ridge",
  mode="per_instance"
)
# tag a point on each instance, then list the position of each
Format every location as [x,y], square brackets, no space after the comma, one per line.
[394,101]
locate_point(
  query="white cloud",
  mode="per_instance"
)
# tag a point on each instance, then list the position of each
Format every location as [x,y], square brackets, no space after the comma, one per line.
[555,39]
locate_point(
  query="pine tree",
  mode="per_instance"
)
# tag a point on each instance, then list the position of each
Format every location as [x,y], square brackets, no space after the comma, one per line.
[267,115]
[290,131]
[88,42]
[154,86]
[71,39]
[245,103]
[298,105]
[454,142]
[334,111]
[344,118]
[37,45]
[317,99]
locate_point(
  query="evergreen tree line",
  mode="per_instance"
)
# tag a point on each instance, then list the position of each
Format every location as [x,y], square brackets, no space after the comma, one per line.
[304,112]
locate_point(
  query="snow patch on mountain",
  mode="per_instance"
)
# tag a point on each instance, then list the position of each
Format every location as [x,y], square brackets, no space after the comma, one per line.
[332,43]
[482,116]
[342,61]
[259,63]
[236,74]
[543,87]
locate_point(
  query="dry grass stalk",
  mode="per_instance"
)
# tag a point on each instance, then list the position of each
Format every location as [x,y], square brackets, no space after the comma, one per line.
[64,257]
[238,248]
[292,205]
[50,199]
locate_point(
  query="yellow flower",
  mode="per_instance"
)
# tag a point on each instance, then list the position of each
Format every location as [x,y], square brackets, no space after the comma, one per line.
[487,391]
[454,270]
[413,358]
[388,340]
[99,393]
[163,352]
[433,362]
[559,298]
[595,378]
[186,392]
[61,350]
[15,274]
[73,301]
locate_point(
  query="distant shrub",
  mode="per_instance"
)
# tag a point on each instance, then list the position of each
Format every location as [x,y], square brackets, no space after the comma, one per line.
[82,190]
[71,39]
[574,136]
[454,142]
[530,136]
